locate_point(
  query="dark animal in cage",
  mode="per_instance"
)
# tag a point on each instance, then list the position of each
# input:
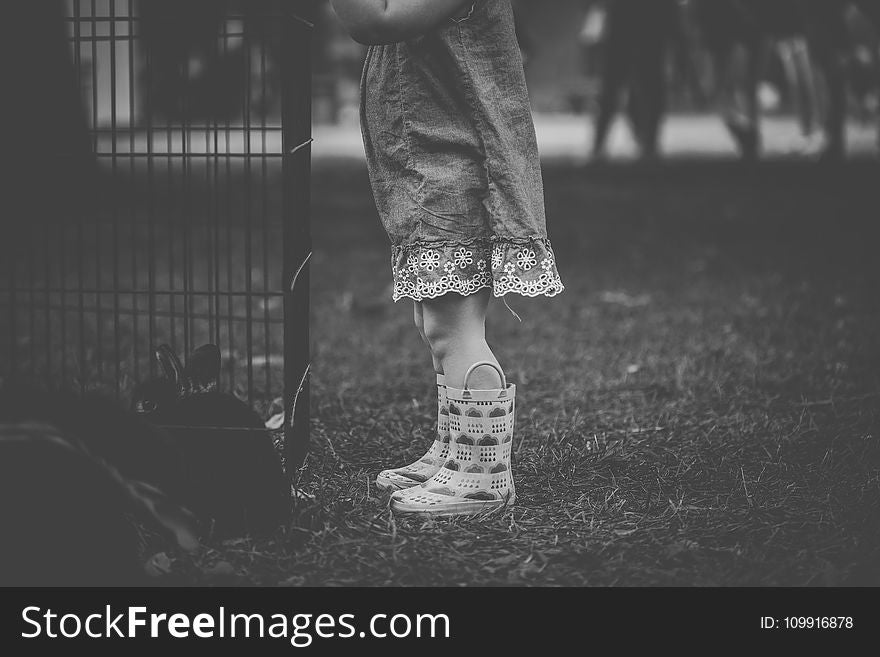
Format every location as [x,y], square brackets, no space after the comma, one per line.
[233,477]
[70,517]
[136,448]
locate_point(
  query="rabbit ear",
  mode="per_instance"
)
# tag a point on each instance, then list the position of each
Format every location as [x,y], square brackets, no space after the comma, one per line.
[171,366]
[203,368]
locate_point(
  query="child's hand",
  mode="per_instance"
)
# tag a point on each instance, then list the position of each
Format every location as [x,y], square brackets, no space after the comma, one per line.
[374,22]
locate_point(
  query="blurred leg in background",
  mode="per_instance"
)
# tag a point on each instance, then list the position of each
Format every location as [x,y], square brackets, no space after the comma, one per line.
[616,65]
[798,65]
[637,37]
[784,24]
[870,11]
[827,33]
[660,27]
[742,114]
[730,32]
[648,100]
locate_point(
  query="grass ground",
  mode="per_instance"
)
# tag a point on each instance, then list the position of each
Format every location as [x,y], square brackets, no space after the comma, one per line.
[700,407]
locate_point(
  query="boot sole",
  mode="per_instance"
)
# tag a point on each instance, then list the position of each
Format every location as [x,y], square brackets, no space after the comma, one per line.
[384,484]
[452,509]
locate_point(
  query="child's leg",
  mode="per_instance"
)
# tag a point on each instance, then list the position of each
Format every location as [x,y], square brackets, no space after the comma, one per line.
[476,475]
[424,468]
[418,315]
[455,327]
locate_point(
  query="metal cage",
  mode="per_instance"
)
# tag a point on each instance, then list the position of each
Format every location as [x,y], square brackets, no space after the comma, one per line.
[193,225]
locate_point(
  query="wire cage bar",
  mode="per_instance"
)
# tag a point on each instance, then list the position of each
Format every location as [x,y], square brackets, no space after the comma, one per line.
[192,224]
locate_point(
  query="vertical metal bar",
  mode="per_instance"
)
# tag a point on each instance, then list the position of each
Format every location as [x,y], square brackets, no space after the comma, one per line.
[33,300]
[62,315]
[230,284]
[62,269]
[62,249]
[47,285]
[215,212]
[186,260]
[208,229]
[62,328]
[62,324]
[132,122]
[171,237]
[248,228]
[264,27]
[151,215]
[114,208]
[296,163]
[99,340]
[80,240]
[212,265]
[12,262]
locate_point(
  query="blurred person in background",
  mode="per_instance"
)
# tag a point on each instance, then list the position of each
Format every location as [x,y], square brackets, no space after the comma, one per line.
[731,34]
[785,27]
[843,38]
[636,36]
[863,64]
[814,42]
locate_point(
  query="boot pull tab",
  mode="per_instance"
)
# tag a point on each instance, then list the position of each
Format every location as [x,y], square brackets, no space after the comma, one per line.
[467,376]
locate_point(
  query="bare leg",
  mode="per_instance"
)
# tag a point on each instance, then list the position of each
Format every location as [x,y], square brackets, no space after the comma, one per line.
[418,316]
[455,327]
[474,473]
[420,471]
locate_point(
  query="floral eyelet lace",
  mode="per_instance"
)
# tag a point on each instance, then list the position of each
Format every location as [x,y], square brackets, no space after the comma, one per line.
[430,269]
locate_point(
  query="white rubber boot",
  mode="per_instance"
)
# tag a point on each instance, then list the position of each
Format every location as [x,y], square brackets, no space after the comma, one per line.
[477,475]
[425,468]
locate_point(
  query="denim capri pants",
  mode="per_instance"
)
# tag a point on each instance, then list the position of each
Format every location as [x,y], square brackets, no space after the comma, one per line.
[453,160]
